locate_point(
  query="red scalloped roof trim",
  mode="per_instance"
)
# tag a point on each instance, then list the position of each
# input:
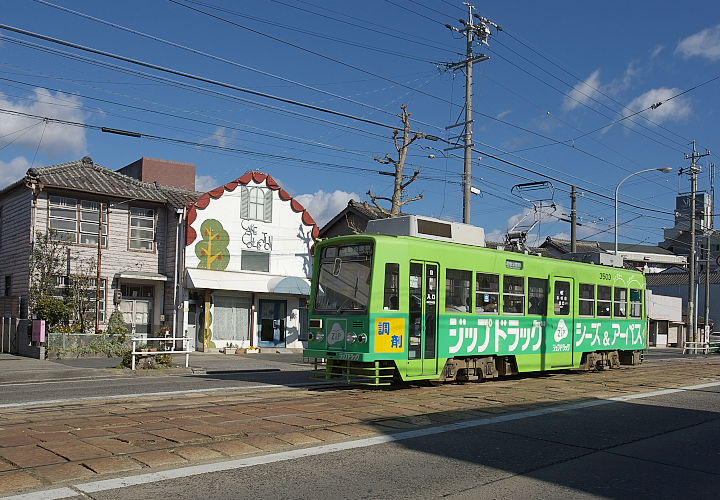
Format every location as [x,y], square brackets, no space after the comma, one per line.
[259,178]
[272,184]
[217,192]
[191,234]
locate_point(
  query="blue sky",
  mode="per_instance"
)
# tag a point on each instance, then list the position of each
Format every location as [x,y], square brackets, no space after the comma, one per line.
[558,70]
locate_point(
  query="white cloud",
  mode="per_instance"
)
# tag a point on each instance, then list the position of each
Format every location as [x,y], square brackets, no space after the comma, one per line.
[656,51]
[220,137]
[13,170]
[583,91]
[676,109]
[205,183]
[705,43]
[323,206]
[503,114]
[56,138]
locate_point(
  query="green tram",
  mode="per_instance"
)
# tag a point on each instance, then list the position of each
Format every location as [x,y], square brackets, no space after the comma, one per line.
[387,308]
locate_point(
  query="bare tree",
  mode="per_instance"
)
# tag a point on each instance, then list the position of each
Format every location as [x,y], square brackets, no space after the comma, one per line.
[402,143]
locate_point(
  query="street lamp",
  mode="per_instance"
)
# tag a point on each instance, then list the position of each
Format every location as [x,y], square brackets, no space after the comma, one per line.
[664,170]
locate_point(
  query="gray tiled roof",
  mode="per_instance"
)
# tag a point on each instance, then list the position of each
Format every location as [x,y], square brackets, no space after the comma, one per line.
[594,246]
[678,279]
[84,175]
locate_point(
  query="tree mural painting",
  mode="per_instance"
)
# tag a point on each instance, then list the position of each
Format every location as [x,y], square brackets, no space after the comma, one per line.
[213,249]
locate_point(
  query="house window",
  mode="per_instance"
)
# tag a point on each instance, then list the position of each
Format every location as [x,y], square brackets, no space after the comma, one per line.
[1,225]
[8,285]
[255,261]
[142,228]
[77,221]
[256,203]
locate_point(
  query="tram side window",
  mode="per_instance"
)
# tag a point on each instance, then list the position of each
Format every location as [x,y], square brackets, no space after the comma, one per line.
[620,303]
[513,294]
[457,291]
[392,287]
[604,300]
[562,298]
[635,303]
[537,296]
[587,299]
[487,293]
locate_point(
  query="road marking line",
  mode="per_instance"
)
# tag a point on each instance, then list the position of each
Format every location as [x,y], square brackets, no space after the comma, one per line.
[183,472]
[166,393]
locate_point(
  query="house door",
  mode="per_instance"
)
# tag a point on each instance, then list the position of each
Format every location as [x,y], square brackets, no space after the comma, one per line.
[137,313]
[272,316]
[194,323]
[422,333]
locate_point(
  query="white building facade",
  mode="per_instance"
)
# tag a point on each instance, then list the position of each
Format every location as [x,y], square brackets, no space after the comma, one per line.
[247,266]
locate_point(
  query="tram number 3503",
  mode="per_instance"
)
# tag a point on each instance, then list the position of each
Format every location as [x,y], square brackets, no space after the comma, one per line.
[606,276]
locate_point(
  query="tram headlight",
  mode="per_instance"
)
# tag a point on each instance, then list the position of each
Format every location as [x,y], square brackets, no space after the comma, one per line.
[319,336]
[362,338]
[351,338]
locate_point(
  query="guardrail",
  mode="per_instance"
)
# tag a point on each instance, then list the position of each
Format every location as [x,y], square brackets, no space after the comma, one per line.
[168,345]
[700,347]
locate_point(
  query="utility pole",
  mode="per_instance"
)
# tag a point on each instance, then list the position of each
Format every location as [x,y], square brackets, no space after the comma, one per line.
[473,32]
[708,255]
[573,219]
[692,292]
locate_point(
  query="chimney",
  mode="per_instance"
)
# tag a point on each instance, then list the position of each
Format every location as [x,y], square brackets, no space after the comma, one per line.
[165,172]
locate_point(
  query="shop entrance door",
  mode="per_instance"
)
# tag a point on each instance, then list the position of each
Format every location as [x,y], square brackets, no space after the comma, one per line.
[271,319]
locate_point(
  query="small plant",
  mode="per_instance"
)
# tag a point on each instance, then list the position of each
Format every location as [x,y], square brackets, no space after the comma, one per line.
[163,360]
[117,326]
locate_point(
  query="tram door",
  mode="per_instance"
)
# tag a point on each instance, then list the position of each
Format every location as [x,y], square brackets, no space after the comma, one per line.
[560,327]
[423,327]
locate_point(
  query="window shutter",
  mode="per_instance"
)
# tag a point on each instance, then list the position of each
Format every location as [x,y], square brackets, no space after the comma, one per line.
[244,203]
[267,205]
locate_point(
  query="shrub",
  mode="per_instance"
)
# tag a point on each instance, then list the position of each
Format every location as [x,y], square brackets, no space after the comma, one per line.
[53,310]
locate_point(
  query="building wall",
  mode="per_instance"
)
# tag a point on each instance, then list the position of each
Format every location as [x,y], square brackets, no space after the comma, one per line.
[15,248]
[287,238]
[116,257]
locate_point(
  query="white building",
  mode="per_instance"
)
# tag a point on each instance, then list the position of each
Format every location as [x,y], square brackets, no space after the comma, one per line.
[247,266]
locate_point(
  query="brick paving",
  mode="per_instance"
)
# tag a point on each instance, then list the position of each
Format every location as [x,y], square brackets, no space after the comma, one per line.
[101,439]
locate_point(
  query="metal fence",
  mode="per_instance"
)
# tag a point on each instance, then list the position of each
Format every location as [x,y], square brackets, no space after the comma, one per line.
[9,335]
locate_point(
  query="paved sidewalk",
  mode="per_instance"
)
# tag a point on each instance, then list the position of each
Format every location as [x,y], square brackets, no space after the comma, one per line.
[18,368]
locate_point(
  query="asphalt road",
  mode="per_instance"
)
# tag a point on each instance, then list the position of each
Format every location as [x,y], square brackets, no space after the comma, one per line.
[662,446]
[40,391]
[19,391]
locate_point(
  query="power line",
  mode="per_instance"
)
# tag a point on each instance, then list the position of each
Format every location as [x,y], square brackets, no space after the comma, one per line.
[205,54]
[194,77]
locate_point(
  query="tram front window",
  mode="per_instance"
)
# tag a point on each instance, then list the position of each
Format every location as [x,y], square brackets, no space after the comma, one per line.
[344,279]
